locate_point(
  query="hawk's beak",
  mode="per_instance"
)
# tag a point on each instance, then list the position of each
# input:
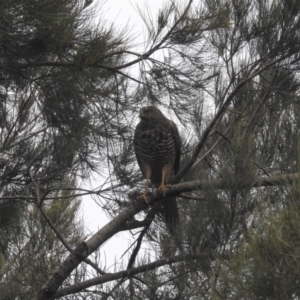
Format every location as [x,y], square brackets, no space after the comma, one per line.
[143,112]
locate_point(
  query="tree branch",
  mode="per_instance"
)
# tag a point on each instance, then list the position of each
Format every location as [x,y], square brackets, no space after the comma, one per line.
[220,114]
[84,249]
[276,180]
[137,247]
[56,231]
[146,222]
[108,68]
[126,273]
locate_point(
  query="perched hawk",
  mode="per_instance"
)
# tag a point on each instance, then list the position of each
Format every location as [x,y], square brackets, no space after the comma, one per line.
[157,148]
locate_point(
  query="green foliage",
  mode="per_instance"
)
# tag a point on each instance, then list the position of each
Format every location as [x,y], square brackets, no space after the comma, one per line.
[34,250]
[266,265]
[52,106]
[226,70]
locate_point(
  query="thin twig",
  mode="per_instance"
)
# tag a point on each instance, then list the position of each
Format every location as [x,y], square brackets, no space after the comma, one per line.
[211,148]
[137,248]
[220,114]
[126,273]
[52,226]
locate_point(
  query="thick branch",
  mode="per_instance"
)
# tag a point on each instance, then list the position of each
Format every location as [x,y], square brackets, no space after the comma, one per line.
[276,180]
[84,249]
[177,189]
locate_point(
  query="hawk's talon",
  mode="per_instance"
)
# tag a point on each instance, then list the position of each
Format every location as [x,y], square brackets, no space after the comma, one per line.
[163,188]
[144,196]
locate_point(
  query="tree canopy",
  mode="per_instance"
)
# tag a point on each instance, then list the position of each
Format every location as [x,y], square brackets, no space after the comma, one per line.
[227,73]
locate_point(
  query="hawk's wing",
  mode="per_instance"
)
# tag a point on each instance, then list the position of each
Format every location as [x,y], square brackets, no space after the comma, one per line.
[170,207]
[135,144]
[177,144]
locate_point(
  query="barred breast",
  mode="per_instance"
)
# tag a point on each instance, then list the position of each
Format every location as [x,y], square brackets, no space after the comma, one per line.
[156,148]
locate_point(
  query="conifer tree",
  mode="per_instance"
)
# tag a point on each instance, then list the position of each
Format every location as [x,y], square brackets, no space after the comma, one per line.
[227,73]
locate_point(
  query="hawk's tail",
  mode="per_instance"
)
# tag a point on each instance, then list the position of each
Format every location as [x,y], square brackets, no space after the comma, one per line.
[170,210]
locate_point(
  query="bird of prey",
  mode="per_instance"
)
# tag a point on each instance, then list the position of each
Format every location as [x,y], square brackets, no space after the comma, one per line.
[157,147]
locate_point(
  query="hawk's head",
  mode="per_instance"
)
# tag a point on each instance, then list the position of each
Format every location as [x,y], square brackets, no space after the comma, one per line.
[150,114]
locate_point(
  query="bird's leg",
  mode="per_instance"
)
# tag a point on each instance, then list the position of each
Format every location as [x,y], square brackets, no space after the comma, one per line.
[146,192]
[164,186]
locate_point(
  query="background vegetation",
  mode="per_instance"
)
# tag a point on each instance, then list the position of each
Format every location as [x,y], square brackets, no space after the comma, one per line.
[227,72]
